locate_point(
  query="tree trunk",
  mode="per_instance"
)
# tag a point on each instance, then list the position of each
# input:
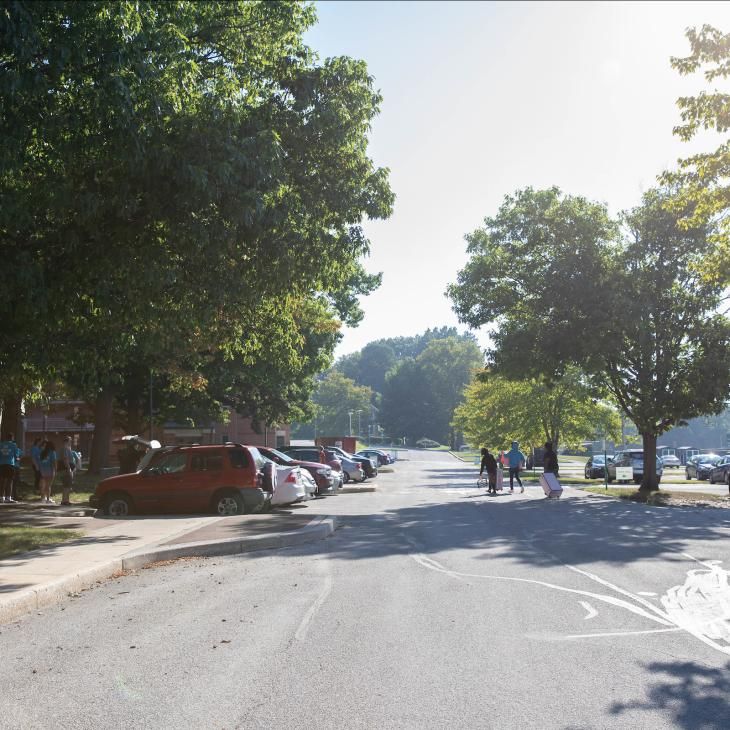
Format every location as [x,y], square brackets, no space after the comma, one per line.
[649,482]
[12,418]
[103,412]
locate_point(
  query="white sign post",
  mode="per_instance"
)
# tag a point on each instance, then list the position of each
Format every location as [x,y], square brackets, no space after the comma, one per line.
[624,473]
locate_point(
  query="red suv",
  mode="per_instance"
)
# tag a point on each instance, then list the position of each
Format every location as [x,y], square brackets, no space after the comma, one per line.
[227,479]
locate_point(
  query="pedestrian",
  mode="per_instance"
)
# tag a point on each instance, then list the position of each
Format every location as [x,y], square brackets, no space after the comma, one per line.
[9,458]
[550,459]
[48,471]
[35,461]
[516,461]
[322,455]
[489,464]
[68,465]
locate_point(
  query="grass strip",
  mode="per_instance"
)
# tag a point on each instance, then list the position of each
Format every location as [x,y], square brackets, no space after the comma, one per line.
[18,539]
[661,499]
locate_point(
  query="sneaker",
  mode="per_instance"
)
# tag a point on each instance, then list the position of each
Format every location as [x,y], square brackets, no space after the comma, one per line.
[50,501]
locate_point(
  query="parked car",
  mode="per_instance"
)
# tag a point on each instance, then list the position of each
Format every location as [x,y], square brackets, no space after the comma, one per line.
[595,467]
[290,487]
[382,457]
[369,465]
[323,475]
[311,453]
[635,459]
[699,466]
[721,472]
[670,460]
[228,479]
[537,458]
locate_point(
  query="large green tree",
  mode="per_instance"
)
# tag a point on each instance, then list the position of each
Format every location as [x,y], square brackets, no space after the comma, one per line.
[566,412]
[335,399]
[167,172]
[562,287]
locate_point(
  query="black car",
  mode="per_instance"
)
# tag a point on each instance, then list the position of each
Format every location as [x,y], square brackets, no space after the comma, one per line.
[699,466]
[536,458]
[721,472]
[596,467]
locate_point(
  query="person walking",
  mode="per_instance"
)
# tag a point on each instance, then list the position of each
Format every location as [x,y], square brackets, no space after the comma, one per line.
[35,461]
[48,471]
[489,464]
[516,460]
[9,458]
[68,464]
[322,455]
[550,459]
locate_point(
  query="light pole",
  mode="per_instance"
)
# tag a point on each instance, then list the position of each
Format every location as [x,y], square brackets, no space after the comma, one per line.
[349,413]
[359,423]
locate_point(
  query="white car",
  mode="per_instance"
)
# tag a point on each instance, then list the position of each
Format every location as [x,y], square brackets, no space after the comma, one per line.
[289,486]
[671,460]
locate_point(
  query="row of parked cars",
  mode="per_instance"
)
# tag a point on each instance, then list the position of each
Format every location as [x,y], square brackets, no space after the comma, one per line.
[231,479]
[713,467]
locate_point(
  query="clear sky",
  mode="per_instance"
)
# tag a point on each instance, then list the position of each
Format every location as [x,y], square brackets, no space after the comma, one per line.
[483,98]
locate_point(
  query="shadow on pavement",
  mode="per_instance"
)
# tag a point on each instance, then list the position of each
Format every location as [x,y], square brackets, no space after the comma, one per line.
[695,694]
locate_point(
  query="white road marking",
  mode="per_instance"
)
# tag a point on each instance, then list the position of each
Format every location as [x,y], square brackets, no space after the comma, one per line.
[621,633]
[301,632]
[645,593]
[592,613]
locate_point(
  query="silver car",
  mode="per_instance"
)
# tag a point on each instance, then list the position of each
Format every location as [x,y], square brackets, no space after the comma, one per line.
[635,459]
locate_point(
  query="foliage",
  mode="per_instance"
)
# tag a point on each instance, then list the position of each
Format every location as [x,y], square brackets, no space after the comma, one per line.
[336,396]
[497,411]
[653,338]
[425,443]
[168,171]
[705,177]
[421,394]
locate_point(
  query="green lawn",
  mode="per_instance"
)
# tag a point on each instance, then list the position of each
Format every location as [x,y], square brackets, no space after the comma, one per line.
[84,485]
[660,498]
[14,540]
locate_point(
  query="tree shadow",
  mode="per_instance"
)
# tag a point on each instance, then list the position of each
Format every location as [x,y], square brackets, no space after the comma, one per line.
[696,695]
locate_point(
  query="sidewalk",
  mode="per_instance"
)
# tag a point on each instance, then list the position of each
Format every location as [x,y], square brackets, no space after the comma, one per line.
[32,580]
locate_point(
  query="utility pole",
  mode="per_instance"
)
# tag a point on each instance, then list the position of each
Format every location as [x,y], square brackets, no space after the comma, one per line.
[349,413]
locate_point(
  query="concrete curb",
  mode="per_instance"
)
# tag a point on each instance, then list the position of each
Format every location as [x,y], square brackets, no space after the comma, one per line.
[358,490]
[48,594]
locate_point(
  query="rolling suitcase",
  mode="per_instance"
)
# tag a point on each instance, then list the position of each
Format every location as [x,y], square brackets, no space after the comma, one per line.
[500,478]
[550,485]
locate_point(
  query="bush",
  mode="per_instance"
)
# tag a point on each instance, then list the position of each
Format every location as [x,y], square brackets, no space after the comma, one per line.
[425,443]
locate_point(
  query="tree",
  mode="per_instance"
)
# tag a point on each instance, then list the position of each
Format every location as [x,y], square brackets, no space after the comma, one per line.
[497,411]
[167,171]
[705,177]
[652,338]
[336,396]
[421,394]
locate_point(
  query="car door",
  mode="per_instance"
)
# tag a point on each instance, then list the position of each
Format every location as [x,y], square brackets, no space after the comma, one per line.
[204,477]
[165,483]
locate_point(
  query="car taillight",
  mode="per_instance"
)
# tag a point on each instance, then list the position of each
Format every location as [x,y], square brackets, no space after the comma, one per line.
[291,478]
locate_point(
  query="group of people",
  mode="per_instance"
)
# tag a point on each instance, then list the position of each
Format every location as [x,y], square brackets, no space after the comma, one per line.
[45,462]
[515,461]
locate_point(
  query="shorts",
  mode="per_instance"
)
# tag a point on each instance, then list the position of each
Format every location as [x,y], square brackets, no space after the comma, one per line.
[67,478]
[7,471]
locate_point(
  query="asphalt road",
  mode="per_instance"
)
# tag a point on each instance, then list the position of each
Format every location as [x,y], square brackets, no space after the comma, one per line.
[434,606]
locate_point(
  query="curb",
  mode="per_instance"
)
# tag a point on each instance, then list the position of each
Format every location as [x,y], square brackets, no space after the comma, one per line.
[358,490]
[48,594]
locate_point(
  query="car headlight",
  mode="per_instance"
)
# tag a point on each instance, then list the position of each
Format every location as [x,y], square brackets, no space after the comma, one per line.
[323,472]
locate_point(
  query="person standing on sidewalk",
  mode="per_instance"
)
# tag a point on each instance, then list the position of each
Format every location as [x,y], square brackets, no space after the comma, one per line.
[489,464]
[48,471]
[68,464]
[9,458]
[516,460]
[550,460]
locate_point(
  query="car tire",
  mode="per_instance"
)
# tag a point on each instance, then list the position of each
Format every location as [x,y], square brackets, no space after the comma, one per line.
[228,504]
[345,477]
[687,476]
[609,480]
[712,481]
[117,505]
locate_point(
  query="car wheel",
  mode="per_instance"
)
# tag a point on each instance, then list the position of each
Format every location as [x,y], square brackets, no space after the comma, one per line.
[345,478]
[712,481]
[228,504]
[117,505]
[687,476]
[609,480]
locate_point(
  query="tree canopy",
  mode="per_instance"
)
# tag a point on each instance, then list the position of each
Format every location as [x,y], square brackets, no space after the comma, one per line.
[168,171]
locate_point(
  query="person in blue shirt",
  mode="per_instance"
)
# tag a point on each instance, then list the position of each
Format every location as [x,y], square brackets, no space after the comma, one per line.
[516,460]
[9,458]
[48,471]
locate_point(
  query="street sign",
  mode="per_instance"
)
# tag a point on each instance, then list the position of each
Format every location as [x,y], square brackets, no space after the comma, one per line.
[624,473]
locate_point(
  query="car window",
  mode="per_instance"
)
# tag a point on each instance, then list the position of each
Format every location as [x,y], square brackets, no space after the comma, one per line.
[172,463]
[207,462]
[258,459]
[239,458]
[281,455]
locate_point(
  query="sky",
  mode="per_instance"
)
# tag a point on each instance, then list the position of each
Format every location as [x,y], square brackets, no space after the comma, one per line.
[485,98]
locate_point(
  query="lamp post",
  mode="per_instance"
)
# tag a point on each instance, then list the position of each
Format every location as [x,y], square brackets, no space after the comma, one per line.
[359,423]
[349,413]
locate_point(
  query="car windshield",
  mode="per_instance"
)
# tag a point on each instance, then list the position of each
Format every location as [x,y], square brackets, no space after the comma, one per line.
[709,459]
[280,455]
